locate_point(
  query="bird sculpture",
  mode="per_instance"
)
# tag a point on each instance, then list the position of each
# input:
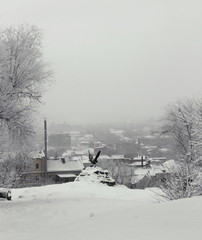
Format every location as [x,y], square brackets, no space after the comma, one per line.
[92,159]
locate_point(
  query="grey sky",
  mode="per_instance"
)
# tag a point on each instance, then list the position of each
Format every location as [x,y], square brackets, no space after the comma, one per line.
[115,59]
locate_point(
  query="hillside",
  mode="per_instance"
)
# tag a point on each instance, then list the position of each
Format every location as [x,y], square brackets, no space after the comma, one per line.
[89,211]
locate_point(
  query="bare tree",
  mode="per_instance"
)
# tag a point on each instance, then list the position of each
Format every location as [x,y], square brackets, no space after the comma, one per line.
[12,169]
[183,121]
[22,75]
[183,180]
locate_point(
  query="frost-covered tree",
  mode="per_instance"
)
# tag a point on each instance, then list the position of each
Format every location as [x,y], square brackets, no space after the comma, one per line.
[12,169]
[183,121]
[182,180]
[23,73]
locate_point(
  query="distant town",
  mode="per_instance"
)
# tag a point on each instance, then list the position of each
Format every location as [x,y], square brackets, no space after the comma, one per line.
[130,152]
[127,140]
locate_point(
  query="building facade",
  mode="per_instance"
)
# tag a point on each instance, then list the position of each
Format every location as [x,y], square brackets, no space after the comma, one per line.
[59,170]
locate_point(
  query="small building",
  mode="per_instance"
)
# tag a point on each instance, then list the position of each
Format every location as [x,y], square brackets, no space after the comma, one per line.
[59,170]
[64,169]
[36,167]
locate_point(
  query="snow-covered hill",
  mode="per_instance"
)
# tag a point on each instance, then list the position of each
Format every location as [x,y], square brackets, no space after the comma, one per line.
[87,211]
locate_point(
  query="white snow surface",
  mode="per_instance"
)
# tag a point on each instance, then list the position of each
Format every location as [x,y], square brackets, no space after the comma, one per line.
[171,165]
[87,211]
[37,154]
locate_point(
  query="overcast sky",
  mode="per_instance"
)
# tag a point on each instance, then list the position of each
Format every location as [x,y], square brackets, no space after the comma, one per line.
[115,60]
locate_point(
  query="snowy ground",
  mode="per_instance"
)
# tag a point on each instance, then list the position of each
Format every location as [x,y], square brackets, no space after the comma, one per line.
[88,211]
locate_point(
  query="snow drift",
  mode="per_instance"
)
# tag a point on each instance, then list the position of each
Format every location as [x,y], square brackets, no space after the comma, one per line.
[86,211]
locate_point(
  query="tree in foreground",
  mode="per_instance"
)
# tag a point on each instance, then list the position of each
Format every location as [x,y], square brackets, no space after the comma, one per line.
[183,121]
[12,169]
[23,73]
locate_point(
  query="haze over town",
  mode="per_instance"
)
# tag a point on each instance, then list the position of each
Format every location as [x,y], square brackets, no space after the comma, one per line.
[114,60]
[83,85]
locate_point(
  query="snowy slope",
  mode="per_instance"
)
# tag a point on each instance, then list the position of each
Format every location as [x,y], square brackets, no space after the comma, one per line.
[88,211]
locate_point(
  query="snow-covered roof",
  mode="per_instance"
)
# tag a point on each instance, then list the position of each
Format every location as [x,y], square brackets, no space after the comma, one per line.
[104,157]
[157,168]
[140,157]
[117,156]
[78,152]
[157,159]
[139,173]
[171,165]
[82,158]
[37,154]
[66,175]
[151,147]
[138,163]
[84,151]
[164,149]
[68,165]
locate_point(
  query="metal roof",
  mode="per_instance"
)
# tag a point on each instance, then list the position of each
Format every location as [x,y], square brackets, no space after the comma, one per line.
[67,165]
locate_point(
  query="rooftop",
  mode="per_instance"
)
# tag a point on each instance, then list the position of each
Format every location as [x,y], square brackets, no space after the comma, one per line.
[67,165]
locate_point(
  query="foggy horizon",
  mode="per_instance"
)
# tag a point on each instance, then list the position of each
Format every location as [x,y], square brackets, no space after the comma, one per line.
[114,60]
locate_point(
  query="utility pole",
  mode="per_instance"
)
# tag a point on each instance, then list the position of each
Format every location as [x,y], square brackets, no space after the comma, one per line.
[45,147]
[138,145]
[142,161]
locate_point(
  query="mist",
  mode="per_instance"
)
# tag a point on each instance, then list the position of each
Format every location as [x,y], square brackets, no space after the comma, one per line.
[114,60]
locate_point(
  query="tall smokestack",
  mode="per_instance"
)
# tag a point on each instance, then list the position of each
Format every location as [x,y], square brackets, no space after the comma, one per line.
[45,145]
[142,161]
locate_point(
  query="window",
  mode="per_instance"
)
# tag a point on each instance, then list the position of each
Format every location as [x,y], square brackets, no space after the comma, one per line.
[37,178]
[37,165]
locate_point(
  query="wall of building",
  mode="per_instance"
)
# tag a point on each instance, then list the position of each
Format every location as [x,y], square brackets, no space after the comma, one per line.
[36,171]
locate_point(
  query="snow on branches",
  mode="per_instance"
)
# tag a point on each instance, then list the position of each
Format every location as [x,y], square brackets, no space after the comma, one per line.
[22,75]
[183,121]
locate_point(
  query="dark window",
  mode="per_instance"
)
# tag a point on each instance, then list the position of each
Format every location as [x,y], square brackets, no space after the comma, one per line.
[37,165]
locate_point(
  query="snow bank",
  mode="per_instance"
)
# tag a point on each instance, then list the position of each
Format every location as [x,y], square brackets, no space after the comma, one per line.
[92,211]
[82,190]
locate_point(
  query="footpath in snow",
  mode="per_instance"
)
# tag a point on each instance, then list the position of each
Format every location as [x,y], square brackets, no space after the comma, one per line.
[86,211]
